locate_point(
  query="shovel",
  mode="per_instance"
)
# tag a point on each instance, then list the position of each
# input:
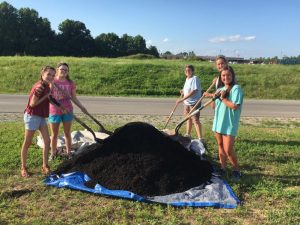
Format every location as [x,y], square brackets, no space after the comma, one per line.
[102,129]
[195,106]
[178,126]
[57,104]
[199,101]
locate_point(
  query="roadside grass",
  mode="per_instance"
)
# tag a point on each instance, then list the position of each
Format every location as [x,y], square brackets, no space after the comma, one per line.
[269,157]
[147,77]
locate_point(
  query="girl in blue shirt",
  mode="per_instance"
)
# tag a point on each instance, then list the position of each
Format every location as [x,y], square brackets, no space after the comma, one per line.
[226,118]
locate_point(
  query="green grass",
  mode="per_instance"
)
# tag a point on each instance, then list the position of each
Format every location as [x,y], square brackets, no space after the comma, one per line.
[147,77]
[268,153]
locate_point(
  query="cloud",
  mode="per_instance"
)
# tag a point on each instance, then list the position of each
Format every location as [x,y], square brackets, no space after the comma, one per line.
[166,40]
[232,38]
[148,42]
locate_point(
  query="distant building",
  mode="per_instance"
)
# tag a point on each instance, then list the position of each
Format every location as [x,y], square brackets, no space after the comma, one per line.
[232,60]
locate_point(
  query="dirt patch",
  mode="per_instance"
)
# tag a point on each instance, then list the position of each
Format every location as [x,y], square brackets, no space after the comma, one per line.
[139,158]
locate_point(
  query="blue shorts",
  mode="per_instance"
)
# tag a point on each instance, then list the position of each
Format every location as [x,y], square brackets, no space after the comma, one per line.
[33,122]
[60,118]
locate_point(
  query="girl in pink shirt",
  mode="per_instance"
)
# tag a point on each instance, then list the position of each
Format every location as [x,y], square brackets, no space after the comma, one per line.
[64,89]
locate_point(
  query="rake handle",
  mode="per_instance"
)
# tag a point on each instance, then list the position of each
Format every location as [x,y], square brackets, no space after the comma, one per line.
[172,112]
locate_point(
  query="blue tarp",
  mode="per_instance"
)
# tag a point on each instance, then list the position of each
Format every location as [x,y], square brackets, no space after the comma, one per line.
[216,193]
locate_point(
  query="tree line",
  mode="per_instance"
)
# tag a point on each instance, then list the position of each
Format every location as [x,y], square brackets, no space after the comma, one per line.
[24,32]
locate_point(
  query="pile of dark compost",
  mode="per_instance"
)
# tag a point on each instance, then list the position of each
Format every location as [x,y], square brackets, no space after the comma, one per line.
[139,158]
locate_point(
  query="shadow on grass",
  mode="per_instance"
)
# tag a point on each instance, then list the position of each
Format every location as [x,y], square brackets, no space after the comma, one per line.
[253,173]
[271,142]
[15,193]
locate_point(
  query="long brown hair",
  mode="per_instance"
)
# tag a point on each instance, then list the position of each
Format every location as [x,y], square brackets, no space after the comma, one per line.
[64,64]
[233,80]
[43,70]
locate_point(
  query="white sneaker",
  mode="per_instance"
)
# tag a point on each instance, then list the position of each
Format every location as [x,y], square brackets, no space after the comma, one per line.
[201,140]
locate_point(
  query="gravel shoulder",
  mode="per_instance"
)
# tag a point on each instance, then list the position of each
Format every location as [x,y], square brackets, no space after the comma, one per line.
[159,121]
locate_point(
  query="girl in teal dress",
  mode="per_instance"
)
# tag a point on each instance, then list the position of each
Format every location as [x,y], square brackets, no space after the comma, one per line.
[226,119]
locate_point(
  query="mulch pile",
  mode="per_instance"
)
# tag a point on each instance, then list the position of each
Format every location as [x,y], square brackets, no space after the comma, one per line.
[139,158]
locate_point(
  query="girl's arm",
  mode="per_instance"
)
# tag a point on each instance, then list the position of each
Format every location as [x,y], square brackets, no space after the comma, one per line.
[229,103]
[186,97]
[77,102]
[36,100]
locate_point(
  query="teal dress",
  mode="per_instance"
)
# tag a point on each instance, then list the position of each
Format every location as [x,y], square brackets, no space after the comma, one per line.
[226,120]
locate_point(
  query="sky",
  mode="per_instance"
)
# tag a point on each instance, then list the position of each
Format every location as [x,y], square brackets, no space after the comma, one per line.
[234,28]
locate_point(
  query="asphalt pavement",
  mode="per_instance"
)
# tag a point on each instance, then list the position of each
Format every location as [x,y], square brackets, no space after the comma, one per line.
[158,106]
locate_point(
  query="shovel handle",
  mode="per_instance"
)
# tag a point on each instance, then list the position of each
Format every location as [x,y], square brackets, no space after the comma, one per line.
[199,101]
[102,129]
[193,113]
[60,106]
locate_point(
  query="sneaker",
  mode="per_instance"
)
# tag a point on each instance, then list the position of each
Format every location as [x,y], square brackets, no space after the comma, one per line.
[236,175]
[70,155]
[219,172]
[187,136]
[202,141]
[46,170]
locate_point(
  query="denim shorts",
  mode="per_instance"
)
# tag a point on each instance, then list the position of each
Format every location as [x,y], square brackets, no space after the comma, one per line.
[33,122]
[60,118]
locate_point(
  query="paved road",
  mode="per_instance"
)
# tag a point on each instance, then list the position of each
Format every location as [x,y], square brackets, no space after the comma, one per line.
[158,106]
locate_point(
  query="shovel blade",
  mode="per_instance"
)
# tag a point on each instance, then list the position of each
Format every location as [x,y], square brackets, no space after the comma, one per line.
[168,132]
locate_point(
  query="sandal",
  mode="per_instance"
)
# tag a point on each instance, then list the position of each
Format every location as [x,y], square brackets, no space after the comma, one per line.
[46,170]
[70,155]
[24,172]
[53,157]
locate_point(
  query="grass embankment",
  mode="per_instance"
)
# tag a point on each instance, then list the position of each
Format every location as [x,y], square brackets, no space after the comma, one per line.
[268,151]
[148,77]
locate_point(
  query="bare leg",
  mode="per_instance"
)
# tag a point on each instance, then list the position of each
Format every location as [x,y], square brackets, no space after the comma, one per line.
[54,133]
[46,139]
[198,127]
[24,150]
[188,126]
[222,154]
[228,142]
[67,132]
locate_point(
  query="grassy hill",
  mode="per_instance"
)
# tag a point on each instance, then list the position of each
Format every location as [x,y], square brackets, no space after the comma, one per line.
[147,77]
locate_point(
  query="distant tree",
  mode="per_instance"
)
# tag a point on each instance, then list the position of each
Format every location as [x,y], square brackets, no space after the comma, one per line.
[133,45]
[290,60]
[35,34]
[127,44]
[152,50]
[168,53]
[140,44]
[24,32]
[75,39]
[108,45]
[192,54]
[9,27]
